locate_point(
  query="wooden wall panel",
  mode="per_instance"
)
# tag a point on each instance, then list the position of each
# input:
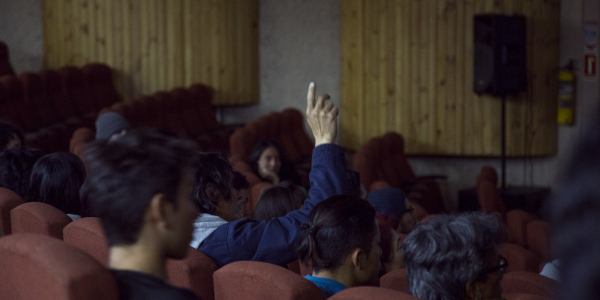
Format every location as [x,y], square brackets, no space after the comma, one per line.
[407,66]
[160,44]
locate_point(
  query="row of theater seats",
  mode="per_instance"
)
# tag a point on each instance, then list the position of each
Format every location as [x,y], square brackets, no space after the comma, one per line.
[286,128]
[51,104]
[184,112]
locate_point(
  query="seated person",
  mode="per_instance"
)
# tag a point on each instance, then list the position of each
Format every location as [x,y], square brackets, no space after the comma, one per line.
[241,185]
[267,161]
[214,195]
[341,240]
[56,180]
[391,203]
[15,168]
[455,257]
[390,245]
[279,200]
[111,126]
[274,241]
[142,185]
[10,137]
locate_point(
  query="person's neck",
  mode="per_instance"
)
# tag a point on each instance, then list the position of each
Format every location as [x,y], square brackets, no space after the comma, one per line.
[342,275]
[139,258]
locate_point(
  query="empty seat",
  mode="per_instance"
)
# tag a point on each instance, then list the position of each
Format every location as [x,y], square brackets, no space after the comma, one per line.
[516,221]
[194,272]
[58,98]
[8,201]
[371,293]
[519,258]
[36,103]
[516,296]
[40,218]
[99,81]
[87,235]
[39,267]
[76,89]
[395,280]
[5,67]
[528,283]
[539,233]
[259,280]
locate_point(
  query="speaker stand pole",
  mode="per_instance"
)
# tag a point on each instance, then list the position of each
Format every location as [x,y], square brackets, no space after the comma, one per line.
[503,155]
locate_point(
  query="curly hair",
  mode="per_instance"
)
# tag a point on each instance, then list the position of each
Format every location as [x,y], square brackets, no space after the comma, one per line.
[15,168]
[212,169]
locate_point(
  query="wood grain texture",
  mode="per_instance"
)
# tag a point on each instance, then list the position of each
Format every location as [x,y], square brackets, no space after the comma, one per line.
[160,44]
[407,66]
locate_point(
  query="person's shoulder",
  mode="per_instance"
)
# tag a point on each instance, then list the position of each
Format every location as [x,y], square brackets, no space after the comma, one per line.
[136,285]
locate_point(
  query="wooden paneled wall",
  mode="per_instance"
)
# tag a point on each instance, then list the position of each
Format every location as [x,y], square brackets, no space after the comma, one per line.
[407,66]
[160,44]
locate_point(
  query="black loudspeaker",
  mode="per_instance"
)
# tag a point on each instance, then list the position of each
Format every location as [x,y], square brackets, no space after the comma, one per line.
[500,54]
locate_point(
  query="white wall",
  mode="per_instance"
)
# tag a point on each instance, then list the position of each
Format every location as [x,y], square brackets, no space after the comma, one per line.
[21,29]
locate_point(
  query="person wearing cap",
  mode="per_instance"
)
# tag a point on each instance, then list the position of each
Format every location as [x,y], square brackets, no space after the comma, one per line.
[111,126]
[391,204]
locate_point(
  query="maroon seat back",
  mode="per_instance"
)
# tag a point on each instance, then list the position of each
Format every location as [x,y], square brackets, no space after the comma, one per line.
[489,199]
[528,283]
[539,233]
[100,84]
[16,103]
[303,143]
[519,258]
[395,280]
[39,267]
[40,218]
[517,296]
[259,280]
[56,95]
[371,293]
[202,96]
[189,113]
[87,235]
[8,110]
[194,272]
[8,201]
[516,221]
[35,100]
[76,89]
[5,67]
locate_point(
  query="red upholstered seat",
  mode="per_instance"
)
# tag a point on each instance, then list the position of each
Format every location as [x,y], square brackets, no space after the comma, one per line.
[487,193]
[8,201]
[76,89]
[39,267]
[5,67]
[8,108]
[87,235]
[36,104]
[539,233]
[371,293]
[100,84]
[519,258]
[259,280]
[528,283]
[517,296]
[40,218]
[516,221]
[201,96]
[194,272]
[395,280]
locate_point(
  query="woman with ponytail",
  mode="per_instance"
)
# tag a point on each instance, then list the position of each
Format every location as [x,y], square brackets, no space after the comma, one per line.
[341,241]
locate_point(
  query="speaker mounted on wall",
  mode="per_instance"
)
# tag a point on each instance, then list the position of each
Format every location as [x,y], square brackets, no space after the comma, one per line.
[500,66]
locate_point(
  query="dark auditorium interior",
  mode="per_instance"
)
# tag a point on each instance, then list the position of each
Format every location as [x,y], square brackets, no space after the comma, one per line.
[465,105]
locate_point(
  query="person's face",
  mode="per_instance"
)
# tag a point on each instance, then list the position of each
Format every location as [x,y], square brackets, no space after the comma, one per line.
[408,220]
[269,159]
[184,215]
[15,141]
[373,263]
[396,260]
[229,209]
[242,198]
[489,287]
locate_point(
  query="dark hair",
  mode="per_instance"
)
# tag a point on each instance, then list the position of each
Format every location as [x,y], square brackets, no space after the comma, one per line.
[442,255]
[353,182]
[257,151]
[214,169]
[335,227]
[385,241]
[239,181]
[7,131]
[279,200]
[125,174]
[56,179]
[15,168]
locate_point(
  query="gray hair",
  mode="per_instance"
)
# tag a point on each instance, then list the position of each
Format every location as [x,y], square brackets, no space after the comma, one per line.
[444,254]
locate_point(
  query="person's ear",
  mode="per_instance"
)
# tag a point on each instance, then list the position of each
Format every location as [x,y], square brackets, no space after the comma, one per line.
[212,192]
[473,290]
[358,258]
[160,209]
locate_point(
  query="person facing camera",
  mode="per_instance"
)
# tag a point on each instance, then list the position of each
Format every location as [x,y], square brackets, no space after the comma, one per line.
[341,241]
[456,257]
[267,161]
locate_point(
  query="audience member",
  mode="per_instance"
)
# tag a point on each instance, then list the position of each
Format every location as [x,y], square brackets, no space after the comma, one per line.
[455,257]
[241,185]
[273,241]
[111,126]
[267,161]
[392,203]
[341,241]
[9,136]
[142,184]
[214,194]
[15,168]
[391,253]
[279,200]
[56,180]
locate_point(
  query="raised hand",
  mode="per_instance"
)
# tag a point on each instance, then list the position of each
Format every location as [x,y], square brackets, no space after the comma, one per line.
[321,117]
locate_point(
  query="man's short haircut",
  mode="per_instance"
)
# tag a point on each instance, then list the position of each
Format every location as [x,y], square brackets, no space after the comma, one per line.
[15,168]
[214,169]
[442,255]
[239,181]
[335,227]
[56,180]
[125,174]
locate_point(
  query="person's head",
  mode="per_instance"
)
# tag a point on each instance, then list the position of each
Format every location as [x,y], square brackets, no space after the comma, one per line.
[342,232]
[15,168]
[213,188]
[111,126]
[455,257]
[56,180]
[391,253]
[393,203]
[241,185]
[10,137]
[141,185]
[278,200]
[266,155]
